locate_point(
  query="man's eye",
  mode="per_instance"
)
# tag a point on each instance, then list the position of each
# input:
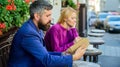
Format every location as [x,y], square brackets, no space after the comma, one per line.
[48,15]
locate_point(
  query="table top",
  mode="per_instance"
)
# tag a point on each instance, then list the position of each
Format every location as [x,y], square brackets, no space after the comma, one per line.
[85,64]
[96,40]
[97,31]
[93,51]
[96,34]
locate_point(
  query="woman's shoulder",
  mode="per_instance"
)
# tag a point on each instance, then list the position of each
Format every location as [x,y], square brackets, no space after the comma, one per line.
[55,27]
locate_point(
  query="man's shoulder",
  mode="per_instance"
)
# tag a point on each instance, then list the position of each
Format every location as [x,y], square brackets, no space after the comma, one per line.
[26,29]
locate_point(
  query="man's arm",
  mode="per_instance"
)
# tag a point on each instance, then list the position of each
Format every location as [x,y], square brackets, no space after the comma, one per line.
[32,45]
[55,53]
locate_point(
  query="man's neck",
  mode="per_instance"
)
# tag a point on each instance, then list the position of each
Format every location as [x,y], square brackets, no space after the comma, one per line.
[36,24]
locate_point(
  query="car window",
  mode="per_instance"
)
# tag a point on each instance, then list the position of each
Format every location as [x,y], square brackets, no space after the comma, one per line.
[114,18]
[103,15]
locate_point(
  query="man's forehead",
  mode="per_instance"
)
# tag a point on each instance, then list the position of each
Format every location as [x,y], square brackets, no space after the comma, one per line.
[47,11]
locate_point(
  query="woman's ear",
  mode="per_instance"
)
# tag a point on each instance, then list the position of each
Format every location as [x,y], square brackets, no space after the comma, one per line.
[36,17]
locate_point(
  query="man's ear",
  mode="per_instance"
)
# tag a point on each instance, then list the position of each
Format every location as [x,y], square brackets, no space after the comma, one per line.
[36,16]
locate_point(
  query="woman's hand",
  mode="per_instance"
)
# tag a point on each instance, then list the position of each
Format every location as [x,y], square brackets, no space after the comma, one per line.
[76,39]
[74,25]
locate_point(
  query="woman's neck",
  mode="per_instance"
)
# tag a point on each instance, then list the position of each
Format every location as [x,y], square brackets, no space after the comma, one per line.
[65,25]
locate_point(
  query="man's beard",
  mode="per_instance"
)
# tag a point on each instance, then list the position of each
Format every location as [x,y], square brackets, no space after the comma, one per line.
[42,26]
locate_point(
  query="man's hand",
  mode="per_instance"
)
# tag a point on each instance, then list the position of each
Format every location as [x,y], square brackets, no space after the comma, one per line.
[79,53]
[65,53]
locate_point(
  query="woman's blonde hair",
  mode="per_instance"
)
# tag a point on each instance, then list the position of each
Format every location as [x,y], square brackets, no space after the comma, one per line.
[66,13]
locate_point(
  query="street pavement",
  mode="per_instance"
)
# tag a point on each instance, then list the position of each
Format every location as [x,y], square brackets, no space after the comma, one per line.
[110,50]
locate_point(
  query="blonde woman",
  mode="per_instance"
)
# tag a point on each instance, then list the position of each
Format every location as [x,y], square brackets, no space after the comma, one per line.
[63,34]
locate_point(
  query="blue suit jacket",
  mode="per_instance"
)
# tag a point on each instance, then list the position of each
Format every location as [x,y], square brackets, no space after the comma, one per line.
[28,50]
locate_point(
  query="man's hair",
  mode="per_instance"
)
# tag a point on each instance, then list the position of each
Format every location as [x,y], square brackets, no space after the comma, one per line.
[38,7]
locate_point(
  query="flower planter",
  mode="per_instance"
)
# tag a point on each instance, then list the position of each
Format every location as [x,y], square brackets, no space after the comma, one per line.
[5,35]
[5,43]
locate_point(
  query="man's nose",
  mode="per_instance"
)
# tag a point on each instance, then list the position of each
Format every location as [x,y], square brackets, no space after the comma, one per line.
[50,18]
[52,21]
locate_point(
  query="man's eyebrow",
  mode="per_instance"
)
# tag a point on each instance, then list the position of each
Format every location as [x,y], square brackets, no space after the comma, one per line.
[49,14]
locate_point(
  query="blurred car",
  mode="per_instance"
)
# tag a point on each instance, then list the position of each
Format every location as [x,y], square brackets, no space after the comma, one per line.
[102,16]
[91,17]
[113,23]
[99,23]
[114,13]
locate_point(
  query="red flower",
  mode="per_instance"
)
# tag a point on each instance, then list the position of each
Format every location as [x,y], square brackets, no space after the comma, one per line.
[33,1]
[13,6]
[27,1]
[9,0]
[9,7]
[2,25]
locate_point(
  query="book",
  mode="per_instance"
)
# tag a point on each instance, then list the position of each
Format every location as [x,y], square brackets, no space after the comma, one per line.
[83,42]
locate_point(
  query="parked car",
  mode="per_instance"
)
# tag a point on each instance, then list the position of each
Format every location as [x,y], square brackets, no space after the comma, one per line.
[99,23]
[91,17]
[112,23]
[102,16]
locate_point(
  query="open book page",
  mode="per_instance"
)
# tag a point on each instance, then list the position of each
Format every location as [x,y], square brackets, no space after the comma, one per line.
[83,42]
